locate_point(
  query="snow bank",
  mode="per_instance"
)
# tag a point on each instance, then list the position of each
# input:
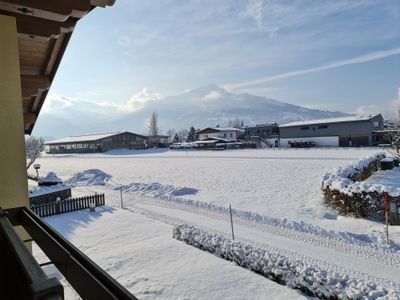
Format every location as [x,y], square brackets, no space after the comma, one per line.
[51,177]
[157,189]
[310,279]
[169,193]
[346,179]
[89,177]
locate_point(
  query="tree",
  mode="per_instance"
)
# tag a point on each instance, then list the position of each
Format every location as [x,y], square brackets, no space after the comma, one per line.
[183,133]
[153,125]
[191,135]
[235,123]
[176,138]
[171,134]
[395,150]
[34,146]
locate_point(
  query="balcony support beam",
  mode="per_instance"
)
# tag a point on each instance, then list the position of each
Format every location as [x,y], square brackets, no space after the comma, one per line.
[13,180]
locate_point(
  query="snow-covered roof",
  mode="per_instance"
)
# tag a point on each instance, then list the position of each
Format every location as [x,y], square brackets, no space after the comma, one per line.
[219,129]
[83,138]
[42,190]
[331,120]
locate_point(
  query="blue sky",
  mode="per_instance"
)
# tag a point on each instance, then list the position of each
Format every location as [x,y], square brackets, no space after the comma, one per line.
[338,55]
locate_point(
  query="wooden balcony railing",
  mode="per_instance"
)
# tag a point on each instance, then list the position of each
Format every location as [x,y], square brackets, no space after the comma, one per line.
[21,277]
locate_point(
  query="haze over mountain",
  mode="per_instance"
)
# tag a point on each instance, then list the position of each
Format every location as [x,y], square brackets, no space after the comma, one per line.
[206,106]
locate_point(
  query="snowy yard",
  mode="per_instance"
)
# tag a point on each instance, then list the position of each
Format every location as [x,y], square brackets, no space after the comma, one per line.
[278,197]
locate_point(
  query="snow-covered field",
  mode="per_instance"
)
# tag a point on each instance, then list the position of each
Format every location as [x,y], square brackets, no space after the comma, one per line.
[277,198]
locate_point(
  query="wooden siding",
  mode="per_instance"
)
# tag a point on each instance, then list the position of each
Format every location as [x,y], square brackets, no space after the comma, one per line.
[125,140]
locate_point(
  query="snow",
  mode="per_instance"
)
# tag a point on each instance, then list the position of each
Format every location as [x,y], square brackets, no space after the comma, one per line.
[83,138]
[330,120]
[389,180]
[89,177]
[277,202]
[272,264]
[382,181]
[221,129]
[50,177]
[388,159]
[142,256]
[42,189]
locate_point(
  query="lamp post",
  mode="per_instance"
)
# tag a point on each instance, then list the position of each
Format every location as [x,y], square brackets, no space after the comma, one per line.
[37,167]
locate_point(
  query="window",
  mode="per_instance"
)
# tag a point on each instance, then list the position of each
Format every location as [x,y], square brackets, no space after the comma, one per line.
[224,135]
[322,126]
[305,128]
[376,124]
[231,134]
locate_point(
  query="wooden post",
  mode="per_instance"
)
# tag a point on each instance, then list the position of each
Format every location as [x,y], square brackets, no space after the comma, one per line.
[387,216]
[122,203]
[230,213]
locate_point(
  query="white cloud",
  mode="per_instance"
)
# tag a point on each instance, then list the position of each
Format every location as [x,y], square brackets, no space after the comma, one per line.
[390,110]
[212,96]
[139,100]
[124,41]
[55,101]
[355,60]
[254,10]
[368,109]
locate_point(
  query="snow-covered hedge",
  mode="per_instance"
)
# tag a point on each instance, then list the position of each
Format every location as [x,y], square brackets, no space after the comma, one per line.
[346,191]
[311,280]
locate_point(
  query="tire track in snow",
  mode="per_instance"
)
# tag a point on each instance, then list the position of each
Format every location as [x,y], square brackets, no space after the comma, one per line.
[370,252]
[150,212]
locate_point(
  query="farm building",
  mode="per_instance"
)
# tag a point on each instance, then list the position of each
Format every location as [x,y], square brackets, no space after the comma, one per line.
[226,134]
[100,142]
[261,135]
[349,131]
[265,131]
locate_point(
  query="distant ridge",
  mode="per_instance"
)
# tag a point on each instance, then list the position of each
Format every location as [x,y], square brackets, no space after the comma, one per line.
[207,106]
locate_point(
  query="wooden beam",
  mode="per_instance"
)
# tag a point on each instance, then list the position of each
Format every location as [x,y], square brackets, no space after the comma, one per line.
[57,10]
[36,101]
[33,26]
[28,92]
[35,82]
[29,118]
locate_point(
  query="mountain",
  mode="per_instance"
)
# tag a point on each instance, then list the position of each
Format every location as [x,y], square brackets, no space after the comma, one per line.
[206,106]
[212,105]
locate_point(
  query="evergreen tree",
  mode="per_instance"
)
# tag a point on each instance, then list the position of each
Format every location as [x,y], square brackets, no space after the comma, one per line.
[191,134]
[176,138]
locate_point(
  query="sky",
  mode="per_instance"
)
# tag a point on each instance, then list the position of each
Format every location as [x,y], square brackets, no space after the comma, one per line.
[339,55]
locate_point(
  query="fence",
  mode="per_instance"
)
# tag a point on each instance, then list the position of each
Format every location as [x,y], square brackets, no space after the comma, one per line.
[67,205]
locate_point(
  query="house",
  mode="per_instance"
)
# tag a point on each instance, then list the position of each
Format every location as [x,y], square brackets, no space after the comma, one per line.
[34,36]
[99,142]
[365,130]
[224,134]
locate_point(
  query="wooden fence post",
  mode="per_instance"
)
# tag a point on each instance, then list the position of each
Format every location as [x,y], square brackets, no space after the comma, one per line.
[387,216]
[230,213]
